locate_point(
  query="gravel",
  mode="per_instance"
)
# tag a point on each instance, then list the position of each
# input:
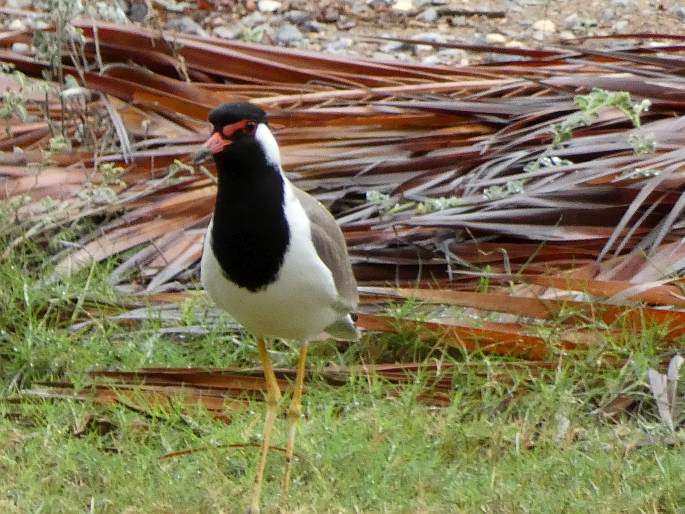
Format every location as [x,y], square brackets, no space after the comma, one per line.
[344,26]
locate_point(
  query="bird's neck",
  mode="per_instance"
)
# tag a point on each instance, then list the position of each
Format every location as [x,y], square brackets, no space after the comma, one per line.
[251,184]
[250,233]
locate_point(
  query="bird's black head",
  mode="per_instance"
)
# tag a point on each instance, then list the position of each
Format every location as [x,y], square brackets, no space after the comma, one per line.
[236,129]
[231,113]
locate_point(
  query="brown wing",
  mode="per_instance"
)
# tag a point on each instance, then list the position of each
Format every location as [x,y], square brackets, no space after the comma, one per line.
[330,245]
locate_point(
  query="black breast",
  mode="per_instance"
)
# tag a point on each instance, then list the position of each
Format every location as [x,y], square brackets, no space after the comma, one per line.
[250,233]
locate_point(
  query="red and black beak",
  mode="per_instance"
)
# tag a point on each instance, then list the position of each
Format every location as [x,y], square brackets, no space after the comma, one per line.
[216,143]
[219,140]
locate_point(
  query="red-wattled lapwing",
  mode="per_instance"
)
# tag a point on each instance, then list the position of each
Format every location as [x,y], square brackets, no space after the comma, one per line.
[274,257]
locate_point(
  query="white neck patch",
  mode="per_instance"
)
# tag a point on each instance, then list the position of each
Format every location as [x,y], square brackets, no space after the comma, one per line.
[268,143]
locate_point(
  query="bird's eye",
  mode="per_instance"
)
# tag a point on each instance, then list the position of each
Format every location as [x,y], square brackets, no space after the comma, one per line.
[250,127]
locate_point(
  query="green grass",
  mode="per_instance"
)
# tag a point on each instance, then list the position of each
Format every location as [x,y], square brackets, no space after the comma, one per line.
[507,443]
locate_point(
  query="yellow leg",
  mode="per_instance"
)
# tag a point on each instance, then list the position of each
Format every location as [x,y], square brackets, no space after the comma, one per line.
[294,413]
[273,397]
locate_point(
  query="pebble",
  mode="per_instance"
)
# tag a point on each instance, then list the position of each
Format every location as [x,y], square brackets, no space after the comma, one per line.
[298,17]
[288,33]
[430,37]
[137,11]
[329,15]
[394,46]
[515,44]
[402,56]
[313,26]
[375,4]
[431,60]
[345,23]
[572,22]
[18,4]
[479,39]
[429,15]
[176,7]
[186,25]
[495,39]
[362,12]
[16,24]
[566,35]
[497,58]
[253,19]
[380,56]
[545,26]
[403,5]
[621,26]
[423,49]
[451,55]
[578,24]
[21,48]
[233,31]
[268,6]
[679,11]
[622,4]
[608,14]
[338,45]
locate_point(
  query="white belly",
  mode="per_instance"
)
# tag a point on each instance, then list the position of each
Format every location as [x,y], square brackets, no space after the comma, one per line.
[299,305]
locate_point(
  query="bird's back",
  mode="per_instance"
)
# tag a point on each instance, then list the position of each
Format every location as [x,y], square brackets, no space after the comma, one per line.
[330,246]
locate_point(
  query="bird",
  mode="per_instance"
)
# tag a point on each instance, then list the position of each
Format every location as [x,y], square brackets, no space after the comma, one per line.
[274,258]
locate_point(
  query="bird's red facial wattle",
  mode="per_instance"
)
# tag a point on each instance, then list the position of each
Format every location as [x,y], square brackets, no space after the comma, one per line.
[216,143]
[220,140]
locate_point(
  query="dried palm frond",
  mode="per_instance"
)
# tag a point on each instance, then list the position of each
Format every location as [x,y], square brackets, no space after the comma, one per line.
[441,177]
